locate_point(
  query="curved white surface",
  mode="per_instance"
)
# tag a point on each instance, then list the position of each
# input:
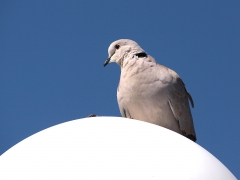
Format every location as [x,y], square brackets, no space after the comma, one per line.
[109,148]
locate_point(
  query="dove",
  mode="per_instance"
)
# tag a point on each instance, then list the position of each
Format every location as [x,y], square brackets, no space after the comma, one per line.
[150,92]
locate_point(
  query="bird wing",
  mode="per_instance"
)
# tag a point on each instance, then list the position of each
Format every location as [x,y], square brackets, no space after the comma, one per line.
[178,100]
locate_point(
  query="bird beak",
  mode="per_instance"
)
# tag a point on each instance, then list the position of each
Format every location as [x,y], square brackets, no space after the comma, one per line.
[107,61]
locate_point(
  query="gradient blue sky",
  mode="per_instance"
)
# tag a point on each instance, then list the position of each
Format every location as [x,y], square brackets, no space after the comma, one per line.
[52,55]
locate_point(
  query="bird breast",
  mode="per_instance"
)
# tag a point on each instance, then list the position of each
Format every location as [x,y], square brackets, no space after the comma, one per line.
[142,75]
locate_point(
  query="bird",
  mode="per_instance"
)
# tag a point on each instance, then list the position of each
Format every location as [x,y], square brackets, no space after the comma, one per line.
[149,91]
[92,115]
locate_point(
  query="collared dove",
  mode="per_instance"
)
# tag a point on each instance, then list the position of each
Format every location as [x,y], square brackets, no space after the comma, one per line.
[150,92]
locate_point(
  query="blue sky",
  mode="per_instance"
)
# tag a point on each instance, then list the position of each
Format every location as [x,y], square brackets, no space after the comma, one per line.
[52,55]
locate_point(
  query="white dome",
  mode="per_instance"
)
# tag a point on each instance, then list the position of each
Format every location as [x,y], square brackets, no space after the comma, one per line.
[109,148]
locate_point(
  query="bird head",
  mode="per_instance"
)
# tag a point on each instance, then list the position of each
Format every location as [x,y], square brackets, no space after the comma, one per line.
[121,49]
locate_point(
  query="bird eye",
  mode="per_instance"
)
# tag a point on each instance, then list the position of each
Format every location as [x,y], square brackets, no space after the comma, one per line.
[117,46]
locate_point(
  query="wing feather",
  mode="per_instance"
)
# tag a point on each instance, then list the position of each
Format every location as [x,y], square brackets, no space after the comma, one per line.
[179,103]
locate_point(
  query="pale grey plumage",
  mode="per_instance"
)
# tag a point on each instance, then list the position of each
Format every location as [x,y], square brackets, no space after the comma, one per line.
[150,92]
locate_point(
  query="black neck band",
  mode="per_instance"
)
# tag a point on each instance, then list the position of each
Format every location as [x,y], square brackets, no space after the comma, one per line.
[141,54]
